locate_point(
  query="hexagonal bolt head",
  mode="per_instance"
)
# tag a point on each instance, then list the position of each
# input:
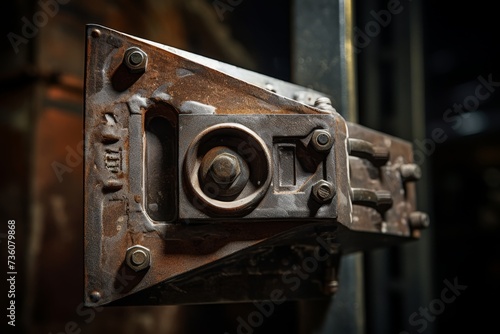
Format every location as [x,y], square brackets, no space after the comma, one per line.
[321,140]
[410,172]
[223,173]
[322,191]
[138,258]
[136,60]
[419,220]
[225,168]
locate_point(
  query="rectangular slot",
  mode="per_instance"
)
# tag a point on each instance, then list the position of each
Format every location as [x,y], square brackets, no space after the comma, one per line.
[287,174]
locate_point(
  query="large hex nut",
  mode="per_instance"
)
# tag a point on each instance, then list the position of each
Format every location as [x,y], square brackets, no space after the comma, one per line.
[218,199]
[138,258]
[225,168]
[223,172]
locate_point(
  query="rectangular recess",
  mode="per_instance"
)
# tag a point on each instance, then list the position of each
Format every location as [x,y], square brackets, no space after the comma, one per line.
[287,174]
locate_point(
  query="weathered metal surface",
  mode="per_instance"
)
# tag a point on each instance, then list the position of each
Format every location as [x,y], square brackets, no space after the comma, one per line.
[201,182]
[394,194]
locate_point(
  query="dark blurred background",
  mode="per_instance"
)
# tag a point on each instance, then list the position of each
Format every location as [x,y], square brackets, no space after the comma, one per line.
[429,74]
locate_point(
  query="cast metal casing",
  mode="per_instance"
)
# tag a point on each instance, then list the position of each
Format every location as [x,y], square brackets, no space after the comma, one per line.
[222,185]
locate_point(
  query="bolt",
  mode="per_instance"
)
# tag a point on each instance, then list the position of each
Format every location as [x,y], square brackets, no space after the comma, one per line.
[324,104]
[225,168]
[381,155]
[136,60]
[410,172]
[138,257]
[378,155]
[322,100]
[223,173]
[96,33]
[95,296]
[384,198]
[322,191]
[321,140]
[332,286]
[419,220]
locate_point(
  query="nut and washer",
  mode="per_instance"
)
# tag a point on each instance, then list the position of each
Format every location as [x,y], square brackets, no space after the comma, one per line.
[135,59]
[321,140]
[322,191]
[138,258]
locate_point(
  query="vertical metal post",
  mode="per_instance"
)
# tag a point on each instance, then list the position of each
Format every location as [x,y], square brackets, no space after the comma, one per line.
[417,258]
[323,59]
[392,95]
[322,51]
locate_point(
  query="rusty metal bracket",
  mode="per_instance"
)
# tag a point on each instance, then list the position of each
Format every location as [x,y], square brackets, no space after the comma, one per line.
[209,183]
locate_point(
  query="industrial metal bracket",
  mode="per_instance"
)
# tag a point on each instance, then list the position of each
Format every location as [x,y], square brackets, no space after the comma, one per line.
[209,183]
